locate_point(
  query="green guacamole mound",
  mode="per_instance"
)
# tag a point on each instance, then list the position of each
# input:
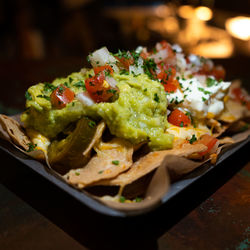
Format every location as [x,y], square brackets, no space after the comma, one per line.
[138,115]
[41,116]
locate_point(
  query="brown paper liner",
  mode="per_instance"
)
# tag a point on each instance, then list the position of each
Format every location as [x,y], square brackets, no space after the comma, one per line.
[172,168]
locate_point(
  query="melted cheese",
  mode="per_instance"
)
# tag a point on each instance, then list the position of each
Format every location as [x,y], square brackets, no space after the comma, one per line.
[187,132]
[39,140]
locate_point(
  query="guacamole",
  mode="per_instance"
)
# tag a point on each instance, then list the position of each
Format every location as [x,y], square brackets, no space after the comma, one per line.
[138,115]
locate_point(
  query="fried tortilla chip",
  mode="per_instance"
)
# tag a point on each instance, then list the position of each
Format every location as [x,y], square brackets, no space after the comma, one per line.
[14,131]
[150,162]
[112,158]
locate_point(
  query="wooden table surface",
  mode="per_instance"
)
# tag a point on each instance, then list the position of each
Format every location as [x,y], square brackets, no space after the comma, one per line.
[214,213]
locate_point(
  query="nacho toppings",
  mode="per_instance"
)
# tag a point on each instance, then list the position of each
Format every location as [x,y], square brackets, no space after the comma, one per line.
[133,110]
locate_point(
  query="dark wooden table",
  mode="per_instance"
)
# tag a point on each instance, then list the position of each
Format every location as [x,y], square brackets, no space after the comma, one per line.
[213,213]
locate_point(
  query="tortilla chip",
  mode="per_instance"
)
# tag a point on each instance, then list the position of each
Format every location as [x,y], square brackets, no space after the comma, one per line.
[150,162]
[96,139]
[14,131]
[112,158]
[226,140]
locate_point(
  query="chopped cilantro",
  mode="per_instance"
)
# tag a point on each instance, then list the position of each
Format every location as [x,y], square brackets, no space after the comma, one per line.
[149,66]
[204,91]
[181,124]
[80,84]
[100,172]
[210,82]
[204,99]
[156,98]
[115,162]
[44,96]
[67,84]
[48,87]
[124,72]
[138,199]
[32,147]
[60,90]
[113,91]
[28,96]
[92,124]
[76,173]
[193,139]
[122,199]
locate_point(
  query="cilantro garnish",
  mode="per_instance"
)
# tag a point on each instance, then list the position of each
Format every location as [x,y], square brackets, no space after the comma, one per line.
[210,82]
[124,72]
[122,199]
[28,96]
[76,173]
[44,96]
[156,98]
[80,84]
[204,91]
[92,124]
[32,147]
[115,162]
[193,139]
[138,199]
[113,91]
[149,66]
[181,124]
[100,172]
[48,87]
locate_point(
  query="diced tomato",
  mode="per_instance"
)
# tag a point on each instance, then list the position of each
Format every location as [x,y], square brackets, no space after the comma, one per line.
[99,89]
[208,141]
[107,68]
[167,46]
[219,73]
[126,61]
[169,87]
[241,97]
[178,118]
[166,76]
[61,96]
[144,55]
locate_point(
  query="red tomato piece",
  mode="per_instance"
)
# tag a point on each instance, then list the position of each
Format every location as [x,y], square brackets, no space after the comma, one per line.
[241,97]
[169,87]
[167,46]
[178,118]
[208,141]
[98,89]
[61,96]
[107,68]
[218,72]
[126,62]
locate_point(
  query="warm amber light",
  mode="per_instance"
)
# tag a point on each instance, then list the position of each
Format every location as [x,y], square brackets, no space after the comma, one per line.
[171,24]
[239,27]
[203,13]
[186,11]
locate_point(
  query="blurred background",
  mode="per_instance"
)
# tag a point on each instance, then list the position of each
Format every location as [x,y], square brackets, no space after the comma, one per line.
[41,40]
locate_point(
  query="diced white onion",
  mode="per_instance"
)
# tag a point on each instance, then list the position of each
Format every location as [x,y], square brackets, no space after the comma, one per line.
[85,99]
[111,81]
[177,48]
[160,56]
[137,70]
[101,57]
